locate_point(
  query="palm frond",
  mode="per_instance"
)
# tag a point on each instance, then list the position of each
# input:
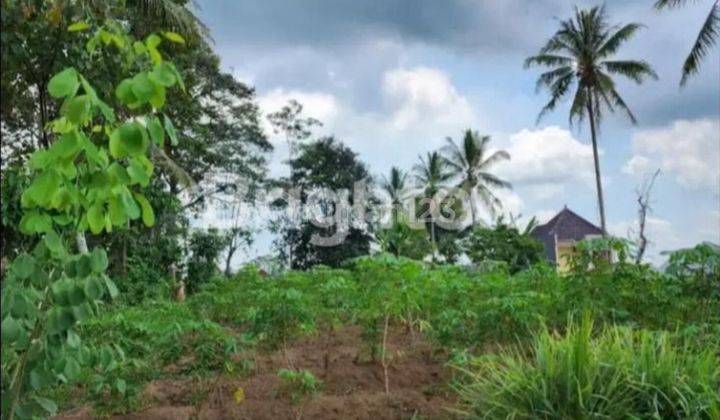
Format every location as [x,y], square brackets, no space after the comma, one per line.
[557,91]
[623,34]
[706,39]
[637,71]
[498,156]
[548,78]
[548,60]
[175,15]
[662,4]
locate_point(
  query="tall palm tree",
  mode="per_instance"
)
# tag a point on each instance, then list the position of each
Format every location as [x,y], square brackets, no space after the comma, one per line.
[431,174]
[580,58]
[471,164]
[707,37]
[395,188]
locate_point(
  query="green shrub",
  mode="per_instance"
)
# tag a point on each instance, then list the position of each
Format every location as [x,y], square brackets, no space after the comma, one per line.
[298,384]
[621,373]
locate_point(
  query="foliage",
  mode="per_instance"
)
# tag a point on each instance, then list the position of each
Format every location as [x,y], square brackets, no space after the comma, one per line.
[470,163]
[580,57]
[462,311]
[204,249]
[15,180]
[400,239]
[44,296]
[298,383]
[706,39]
[620,373]
[503,243]
[314,171]
[699,271]
[89,178]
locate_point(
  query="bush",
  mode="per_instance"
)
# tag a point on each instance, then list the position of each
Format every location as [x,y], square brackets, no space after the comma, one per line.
[204,249]
[298,384]
[503,243]
[621,373]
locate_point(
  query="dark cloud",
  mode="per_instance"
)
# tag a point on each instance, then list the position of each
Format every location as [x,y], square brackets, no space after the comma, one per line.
[330,23]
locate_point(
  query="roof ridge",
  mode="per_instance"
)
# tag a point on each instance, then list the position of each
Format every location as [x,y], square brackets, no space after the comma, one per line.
[582,218]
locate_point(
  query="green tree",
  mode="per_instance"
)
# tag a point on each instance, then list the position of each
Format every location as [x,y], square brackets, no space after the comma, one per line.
[503,243]
[471,162]
[90,177]
[580,58]
[204,249]
[706,39]
[316,168]
[395,187]
[431,174]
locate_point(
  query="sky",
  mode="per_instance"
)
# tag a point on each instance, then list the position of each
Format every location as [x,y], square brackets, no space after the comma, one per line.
[393,79]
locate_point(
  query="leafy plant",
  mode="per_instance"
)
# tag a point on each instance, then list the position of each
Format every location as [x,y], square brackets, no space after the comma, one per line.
[620,373]
[503,243]
[89,178]
[298,384]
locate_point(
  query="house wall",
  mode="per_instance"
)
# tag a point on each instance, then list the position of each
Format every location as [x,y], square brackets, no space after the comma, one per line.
[563,251]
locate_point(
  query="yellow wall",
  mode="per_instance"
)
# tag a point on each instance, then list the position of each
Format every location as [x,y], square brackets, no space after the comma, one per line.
[563,251]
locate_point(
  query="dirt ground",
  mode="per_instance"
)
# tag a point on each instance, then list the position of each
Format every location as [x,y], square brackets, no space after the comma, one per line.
[353,387]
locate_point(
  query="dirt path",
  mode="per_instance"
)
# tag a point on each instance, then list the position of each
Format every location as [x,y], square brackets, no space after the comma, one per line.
[352,388]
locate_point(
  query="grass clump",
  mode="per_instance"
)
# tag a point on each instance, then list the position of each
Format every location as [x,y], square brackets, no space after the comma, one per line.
[620,373]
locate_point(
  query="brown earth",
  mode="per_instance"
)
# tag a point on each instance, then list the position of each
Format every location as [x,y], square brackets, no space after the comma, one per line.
[352,387]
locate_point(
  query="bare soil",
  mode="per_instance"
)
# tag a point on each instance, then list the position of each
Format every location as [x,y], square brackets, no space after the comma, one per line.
[353,386]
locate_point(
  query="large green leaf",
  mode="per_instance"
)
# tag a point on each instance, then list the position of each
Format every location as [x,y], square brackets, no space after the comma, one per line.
[23,266]
[35,222]
[54,243]
[157,134]
[142,87]
[125,93]
[67,145]
[64,83]
[93,288]
[78,109]
[174,37]
[96,218]
[137,173]
[148,215]
[11,330]
[131,207]
[128,140]
[170,129]
[163,75]
[99,260]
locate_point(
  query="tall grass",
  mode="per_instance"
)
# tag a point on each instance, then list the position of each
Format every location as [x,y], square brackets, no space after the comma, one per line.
[620,373]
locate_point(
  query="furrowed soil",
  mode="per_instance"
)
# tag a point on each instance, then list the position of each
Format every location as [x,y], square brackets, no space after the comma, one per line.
[353,385]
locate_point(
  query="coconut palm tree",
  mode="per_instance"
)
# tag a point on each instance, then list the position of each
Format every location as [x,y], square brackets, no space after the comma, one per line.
[707,37]
[471,163]
[395,188]
[431,174]
[580,58]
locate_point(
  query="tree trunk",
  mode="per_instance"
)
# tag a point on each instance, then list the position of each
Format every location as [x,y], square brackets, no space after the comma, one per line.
[81,242]
[596,158]
[473,210]
[432,239]
[231,252]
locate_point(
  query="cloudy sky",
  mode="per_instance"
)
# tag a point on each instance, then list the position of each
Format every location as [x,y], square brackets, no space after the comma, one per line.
[392,79]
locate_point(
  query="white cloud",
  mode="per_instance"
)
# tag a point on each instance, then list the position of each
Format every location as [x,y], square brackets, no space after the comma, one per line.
[547,160]
[690,150]
[318,105]
[421,93]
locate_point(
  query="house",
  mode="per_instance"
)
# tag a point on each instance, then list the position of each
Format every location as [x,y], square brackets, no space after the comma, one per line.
[560,234]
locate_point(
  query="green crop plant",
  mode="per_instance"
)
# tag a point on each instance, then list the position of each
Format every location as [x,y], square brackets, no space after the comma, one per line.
[90,178]
[298,384]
